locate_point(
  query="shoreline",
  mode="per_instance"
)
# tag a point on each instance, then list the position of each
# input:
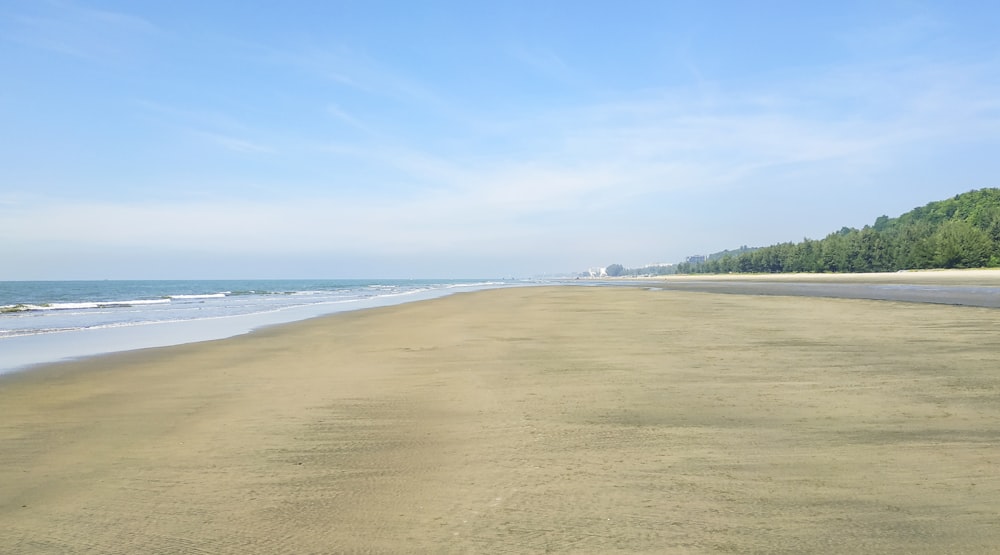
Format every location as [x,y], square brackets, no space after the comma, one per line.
[973,276]
[974,288]
[27,352]
[581,419]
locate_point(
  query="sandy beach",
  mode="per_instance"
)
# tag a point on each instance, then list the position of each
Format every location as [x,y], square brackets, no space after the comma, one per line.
[528,420]
[976,287]
[954,277]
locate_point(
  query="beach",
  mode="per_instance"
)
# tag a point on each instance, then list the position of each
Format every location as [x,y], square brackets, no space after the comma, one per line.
[972,287]
[526,420]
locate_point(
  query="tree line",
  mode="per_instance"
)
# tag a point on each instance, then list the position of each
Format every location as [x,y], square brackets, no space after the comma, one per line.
[960,232]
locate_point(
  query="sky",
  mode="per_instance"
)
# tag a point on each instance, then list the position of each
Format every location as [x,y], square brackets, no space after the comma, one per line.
[343,139]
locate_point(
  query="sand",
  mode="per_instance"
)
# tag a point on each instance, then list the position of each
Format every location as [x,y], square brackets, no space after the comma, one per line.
[566,419]
[980,287]
[956,277]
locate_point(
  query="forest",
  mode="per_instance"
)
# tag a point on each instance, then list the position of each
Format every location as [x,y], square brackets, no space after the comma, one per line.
[959,232]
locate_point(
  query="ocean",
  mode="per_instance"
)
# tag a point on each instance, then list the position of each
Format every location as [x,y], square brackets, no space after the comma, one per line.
[48,321]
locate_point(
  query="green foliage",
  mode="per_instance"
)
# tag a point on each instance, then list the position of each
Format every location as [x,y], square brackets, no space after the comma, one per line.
[735,252]
[960,245]
[652,270]
[960,232]
[615,270]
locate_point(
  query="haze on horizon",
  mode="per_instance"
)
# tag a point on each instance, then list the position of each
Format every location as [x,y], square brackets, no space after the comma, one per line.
[456,139]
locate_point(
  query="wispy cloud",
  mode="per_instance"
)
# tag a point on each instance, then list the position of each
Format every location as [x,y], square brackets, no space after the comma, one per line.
[545,176]
[216,128]
[356,70]
[601,154]
[193,117]
[80,31]
[233,143]
[828,122]
[896,35]
[545,62]
[342,115]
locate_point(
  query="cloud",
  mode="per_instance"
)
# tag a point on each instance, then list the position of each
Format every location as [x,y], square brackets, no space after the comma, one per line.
[232,143]
[545,62]
[356,70]
[589,158]
[200,117]
[895,35]
[210,127]
[82,32]
[537,180]
[340,114]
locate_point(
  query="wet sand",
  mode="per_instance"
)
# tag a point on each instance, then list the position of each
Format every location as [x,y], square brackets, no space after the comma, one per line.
[566,419]
[966,277]
[954,287]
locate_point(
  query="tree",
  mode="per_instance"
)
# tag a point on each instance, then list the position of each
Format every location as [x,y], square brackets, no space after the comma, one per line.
[959,232]
[960,245]
[615,270]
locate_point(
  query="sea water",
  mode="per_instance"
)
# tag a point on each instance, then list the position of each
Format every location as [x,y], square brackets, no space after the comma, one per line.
[47,321]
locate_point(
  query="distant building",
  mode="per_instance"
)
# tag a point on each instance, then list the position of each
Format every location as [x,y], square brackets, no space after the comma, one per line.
[696,259]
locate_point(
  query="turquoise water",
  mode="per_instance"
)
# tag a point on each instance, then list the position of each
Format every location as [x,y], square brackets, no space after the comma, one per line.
[46,321]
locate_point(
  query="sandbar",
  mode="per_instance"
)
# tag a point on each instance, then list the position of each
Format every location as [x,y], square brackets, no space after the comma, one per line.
[528,420]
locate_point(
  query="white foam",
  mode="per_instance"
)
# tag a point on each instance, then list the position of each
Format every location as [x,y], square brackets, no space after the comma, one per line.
[23,350]
[84,305]
[205,296]
[477,284]
[73,333]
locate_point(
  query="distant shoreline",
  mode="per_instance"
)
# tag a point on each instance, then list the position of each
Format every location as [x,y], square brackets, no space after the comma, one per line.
[976,288]
[973,276]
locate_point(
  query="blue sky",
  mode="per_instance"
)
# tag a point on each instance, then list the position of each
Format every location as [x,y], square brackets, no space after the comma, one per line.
[474,139]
